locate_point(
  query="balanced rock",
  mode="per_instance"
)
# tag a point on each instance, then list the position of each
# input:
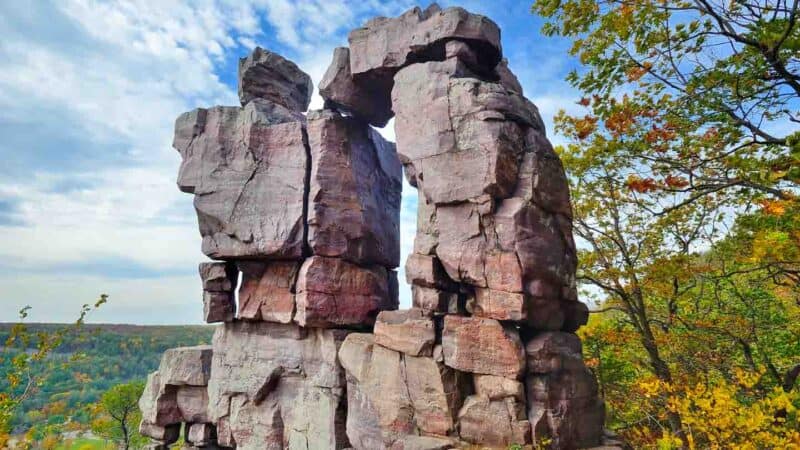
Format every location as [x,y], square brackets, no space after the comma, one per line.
[247,168]
[272,77]
[355,186]
[384,45]
[341,91]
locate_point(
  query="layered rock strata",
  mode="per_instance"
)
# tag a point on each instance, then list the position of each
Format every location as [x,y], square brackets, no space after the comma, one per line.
[301,212]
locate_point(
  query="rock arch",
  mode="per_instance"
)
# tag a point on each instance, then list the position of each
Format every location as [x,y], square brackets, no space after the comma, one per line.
[305,209]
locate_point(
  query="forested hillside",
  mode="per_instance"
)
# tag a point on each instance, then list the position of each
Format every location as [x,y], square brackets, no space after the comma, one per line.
[95,358]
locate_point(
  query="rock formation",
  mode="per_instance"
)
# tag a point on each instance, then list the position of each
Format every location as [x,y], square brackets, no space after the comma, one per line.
[301,212]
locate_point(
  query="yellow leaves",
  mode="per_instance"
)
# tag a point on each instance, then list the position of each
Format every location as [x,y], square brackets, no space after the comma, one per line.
[774,207]
[718,413]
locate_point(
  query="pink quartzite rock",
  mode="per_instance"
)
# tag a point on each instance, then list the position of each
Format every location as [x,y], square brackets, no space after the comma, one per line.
[193,403]
[384,45]
[219,280]
[218,307]
[564,408]
[166,434]
[272,77]
[276,385]
[494,423]
[482,346]
[247,169]
[427,271]
[159,403]
[354,196]
[218,276]
[334,292]
[498,388]
[392,396]
[408,331]
[553,351]
[432,300]
[186,366]
[499,305]
[201,434]
[267,290]
[342,92]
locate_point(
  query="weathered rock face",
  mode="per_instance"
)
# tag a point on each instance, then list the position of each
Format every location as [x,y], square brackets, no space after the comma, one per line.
[334,292]
[272,77]
[267,290]
[391,395]
[278,384]
[303,213]
[247,168]
[355,186]
[482,346]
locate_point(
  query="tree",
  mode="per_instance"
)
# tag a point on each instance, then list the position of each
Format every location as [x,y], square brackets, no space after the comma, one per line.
[713,89]
[118,414]
[26,362]
[684,170]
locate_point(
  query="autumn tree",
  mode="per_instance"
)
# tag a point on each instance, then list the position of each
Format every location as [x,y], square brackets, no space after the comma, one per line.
[118,416]
[27,362]
[684,169]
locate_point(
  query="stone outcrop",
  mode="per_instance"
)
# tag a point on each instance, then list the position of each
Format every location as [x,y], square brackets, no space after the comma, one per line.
[300,210]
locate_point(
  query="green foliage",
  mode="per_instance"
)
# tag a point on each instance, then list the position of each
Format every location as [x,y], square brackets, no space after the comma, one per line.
[118,416]
[685,175]
[108,355]
[25,363]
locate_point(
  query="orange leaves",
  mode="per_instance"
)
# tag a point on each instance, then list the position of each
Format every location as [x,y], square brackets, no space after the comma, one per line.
[634,73]
[585,127]
[641,185]
[773,207]
[675,182]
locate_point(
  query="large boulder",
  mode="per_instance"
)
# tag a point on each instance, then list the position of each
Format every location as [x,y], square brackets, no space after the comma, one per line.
[277,384]
[383,45]
[391,396]
[408,331]
[270,76]
[247,168]
[186,366]
[363,100]
[354,192]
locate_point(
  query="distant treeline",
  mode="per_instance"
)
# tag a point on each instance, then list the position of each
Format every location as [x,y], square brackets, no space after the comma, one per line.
[90,361]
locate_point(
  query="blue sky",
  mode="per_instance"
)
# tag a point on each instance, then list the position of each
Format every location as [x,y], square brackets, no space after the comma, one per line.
[88,95]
